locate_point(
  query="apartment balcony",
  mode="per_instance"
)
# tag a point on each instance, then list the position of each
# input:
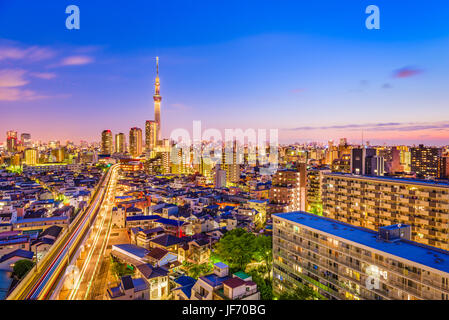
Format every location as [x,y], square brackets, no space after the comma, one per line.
[443,206]
[425,194]
[421,220]
[386,205]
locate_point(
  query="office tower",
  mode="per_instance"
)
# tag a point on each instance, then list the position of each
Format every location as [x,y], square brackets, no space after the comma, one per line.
[373,202]
[58,155]
[331,152]
[106,142]
[220,177]
[425,161]
[157,102]
[11,141]
[120,143]
[31,157]
[151,133]
[288,190]
[26,140]
[405,158]
[359,159]
[375,166]
[135,142]
[340,261]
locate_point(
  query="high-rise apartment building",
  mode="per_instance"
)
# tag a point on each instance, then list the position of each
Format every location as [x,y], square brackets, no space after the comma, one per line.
[151,132]
[107,144]
[231,161]
[31,157]
[220,177]
[341,261]
[135,142]
[373,202]
[288,190]
[425,161]
[314,189]
[11,141]
[120,143]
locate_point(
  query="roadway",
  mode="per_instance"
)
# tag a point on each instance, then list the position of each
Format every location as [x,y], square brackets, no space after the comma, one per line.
[90,281]
[39,282]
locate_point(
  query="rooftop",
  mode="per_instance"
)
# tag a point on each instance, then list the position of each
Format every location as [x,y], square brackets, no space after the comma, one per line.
[132,249]
[425,255]
[427,183]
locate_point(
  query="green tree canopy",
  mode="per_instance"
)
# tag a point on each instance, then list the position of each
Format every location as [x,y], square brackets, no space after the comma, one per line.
[301,293]
[236,248]
[22,267]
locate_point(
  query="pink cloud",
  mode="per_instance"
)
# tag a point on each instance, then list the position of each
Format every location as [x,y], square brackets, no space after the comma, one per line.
[43,75]
[31,54]
[299,90]
[16,94]
[76,61]
[406,73]
[12,78]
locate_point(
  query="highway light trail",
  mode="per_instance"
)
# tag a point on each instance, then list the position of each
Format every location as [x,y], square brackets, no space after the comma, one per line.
[41,282]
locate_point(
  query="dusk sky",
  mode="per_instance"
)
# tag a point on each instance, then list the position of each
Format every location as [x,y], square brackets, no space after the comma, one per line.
[311,70]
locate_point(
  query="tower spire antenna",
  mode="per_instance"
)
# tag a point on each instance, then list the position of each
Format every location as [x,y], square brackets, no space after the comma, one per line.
[157,65]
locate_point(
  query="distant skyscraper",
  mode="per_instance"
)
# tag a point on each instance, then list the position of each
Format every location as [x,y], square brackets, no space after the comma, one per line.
[120,143]
[230,161]
[359,159]
[135,142]
[106,142]
[58,155]
[11,141]
[157,101]
[151,132]
[26,139]
[425,161]
[220,177]
[31,157]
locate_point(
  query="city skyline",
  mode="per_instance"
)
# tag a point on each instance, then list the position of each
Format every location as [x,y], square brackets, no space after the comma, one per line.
[312,74]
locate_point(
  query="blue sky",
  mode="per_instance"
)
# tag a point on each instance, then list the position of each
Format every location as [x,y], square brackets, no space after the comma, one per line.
[311,70]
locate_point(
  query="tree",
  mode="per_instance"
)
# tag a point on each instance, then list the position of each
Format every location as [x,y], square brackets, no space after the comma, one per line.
[121,269]
[22,267]
[300,293]
[263,246]
[264,285]
[236,248]
[198,270]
